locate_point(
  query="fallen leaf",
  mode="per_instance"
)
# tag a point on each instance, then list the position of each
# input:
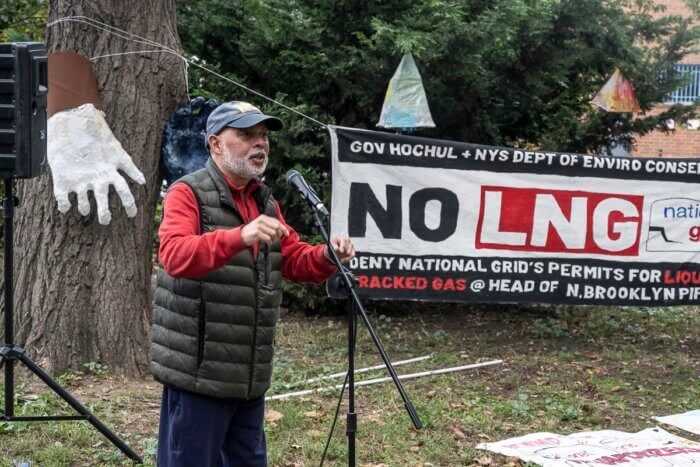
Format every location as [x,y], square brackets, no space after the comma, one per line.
[313,414]
[458,433]
[484,460]
[374,418]
[273,416]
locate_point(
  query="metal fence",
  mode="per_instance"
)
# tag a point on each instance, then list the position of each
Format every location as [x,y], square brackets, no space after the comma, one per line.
[691,92]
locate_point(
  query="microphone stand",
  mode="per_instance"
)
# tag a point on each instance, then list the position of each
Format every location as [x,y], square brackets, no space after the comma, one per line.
[356,307]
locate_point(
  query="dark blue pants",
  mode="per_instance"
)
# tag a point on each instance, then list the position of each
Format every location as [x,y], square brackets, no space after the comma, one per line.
[198,430]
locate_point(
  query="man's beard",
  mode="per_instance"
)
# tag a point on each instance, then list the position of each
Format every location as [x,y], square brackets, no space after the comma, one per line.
[242,166]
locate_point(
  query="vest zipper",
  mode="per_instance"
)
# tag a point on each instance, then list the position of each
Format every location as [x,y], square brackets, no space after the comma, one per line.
[266,264]
[266,247]
[256,277]
[202,324]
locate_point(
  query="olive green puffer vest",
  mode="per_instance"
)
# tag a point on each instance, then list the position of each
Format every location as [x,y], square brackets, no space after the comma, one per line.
[214,335]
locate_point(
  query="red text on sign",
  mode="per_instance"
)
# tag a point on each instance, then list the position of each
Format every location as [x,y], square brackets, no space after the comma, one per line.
[530,219]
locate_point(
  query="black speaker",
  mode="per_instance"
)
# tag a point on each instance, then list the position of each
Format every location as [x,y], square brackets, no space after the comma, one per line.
[23,90]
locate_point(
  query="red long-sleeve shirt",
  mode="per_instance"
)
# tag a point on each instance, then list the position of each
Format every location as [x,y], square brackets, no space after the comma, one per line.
[186,252]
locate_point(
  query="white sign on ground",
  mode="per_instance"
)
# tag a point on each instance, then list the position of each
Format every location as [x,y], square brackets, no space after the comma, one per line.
[689,421]
[650,447]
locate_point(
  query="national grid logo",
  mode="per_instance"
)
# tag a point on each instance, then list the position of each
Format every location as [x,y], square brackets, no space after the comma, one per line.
[674,225]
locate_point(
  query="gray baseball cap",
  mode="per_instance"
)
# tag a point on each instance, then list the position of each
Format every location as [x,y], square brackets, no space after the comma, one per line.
[239,114]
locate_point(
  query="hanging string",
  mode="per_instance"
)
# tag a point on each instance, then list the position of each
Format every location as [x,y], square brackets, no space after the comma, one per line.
[162,48]
[126,35]
[187,81]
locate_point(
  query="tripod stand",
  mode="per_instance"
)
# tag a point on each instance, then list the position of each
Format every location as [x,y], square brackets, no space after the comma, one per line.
[10,352]
[356,308]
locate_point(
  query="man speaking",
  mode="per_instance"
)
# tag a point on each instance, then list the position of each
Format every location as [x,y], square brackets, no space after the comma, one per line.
[224,249]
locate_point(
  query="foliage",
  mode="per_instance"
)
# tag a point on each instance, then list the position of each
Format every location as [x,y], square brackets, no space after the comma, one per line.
[662,325]
[23,20]
[503,72]
[96,368]
[497,72]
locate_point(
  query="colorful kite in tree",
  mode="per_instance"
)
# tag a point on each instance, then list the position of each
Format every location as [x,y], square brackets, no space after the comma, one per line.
[617,95]
[405,103]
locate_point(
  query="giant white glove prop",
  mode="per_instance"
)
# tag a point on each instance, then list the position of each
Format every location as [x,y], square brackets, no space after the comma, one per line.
[85,156]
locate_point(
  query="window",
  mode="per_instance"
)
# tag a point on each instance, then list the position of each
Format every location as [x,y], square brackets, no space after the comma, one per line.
[691,92]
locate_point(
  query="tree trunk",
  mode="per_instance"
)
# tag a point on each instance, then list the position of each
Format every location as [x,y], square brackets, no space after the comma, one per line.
[83,290]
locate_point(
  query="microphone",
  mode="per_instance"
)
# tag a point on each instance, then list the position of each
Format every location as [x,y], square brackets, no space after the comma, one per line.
[295,179]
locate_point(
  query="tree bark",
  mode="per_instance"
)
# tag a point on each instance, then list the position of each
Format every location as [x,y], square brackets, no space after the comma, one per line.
[82,290]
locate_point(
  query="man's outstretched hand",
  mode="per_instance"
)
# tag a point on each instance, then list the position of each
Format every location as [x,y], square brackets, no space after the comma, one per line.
[343,247]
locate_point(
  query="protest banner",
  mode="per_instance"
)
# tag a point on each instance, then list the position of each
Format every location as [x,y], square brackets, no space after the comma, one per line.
[441,220]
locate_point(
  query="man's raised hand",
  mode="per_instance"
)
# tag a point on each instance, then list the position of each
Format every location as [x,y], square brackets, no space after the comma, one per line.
[264,229]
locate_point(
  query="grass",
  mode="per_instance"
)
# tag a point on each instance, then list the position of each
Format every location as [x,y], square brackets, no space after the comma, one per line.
[565,370]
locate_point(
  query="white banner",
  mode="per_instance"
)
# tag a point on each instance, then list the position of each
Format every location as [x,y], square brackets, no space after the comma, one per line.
[501,224]
[689,421]
[652,447]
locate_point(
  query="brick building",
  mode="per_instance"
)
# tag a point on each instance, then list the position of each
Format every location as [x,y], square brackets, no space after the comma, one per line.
[685,140]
